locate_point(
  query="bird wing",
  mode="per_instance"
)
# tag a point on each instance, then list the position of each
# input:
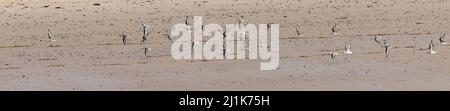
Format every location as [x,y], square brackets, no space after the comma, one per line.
[442,38]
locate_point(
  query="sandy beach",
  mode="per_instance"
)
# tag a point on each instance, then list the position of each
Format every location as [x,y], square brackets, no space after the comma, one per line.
[88,53]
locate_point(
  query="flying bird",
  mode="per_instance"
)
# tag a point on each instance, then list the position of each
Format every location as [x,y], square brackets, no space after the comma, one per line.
[377,40]
[124,36]
[333,55]
[50,36]
[431,48]
[335,30]
[347,48]
[386,46]
[241,21]
[146,30]
[269,25]
[188,24]
[299,33]
[443,40]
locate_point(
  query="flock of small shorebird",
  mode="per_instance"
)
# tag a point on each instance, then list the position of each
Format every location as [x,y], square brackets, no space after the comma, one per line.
[383,43]
[347,50]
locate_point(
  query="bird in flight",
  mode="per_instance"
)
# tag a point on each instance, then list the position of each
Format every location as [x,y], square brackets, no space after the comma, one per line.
[124,36]
[146,29]
[50,36]
[431,48]
[188,24]
[347,48]
[386,46]
[443,40]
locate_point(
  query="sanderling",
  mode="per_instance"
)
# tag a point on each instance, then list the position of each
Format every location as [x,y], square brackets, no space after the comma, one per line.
[168,36]
[145,28]
[335,30]
[443,40]
[377,40]
[431,48]
[50,36]
[146,51]
[299,33]
[186,21]
[386,46]
[333,55]
[224,34]
[347,48]
[224,48]
[188,24]
[269,25]
[124,36]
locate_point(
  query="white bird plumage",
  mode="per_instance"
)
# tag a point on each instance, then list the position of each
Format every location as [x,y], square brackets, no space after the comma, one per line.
[269,26]
[386,46]
[347,48]
[242,21]
[188,24]
[378,40]
[146,30]
[50,36]
[124,36]
[443,40]
[297,29]
[431,48]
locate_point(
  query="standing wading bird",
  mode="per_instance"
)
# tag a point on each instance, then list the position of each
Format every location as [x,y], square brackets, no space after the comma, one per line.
[146,30]
[335,30]
[124,36]
[386,46]
[333,55]
[347,48]
[431,48]
[299,33]
[50,36]
[443,40]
